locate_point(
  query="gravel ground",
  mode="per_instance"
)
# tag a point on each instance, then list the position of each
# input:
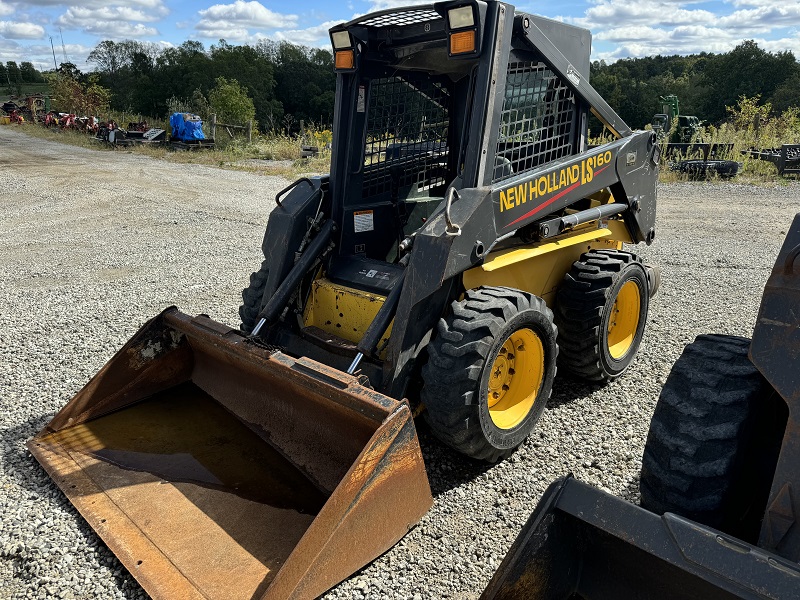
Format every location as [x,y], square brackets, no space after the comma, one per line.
[92,244]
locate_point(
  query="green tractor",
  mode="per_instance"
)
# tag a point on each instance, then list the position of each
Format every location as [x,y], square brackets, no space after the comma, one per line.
[684,131]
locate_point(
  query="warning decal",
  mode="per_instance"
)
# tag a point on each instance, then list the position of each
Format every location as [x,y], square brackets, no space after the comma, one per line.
[362,221]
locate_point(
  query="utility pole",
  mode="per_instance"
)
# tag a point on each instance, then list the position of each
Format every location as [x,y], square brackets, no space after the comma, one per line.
[63,47]
[53,48]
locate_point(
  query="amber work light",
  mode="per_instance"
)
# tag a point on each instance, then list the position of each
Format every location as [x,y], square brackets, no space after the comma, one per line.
[343,50]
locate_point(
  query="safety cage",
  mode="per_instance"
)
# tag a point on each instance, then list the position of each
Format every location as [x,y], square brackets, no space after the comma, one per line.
[408,121]
[537,122]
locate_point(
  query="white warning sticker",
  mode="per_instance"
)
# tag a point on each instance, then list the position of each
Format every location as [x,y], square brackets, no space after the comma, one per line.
[362,221]
[361,104]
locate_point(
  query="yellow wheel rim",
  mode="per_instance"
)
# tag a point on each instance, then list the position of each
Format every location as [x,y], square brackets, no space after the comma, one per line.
[516,378]
[624,320]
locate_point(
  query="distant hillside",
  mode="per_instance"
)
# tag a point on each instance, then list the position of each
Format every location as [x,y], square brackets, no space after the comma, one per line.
[704,83]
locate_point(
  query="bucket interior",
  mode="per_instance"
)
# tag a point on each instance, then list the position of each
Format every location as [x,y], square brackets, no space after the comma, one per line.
[223,466]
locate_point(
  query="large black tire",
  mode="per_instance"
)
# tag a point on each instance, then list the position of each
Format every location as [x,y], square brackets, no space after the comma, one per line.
[253,298]
[586,304]
[471,358]
[699,457]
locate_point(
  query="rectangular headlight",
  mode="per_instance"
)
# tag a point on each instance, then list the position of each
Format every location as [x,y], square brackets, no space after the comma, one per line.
[341,40]
[460,17]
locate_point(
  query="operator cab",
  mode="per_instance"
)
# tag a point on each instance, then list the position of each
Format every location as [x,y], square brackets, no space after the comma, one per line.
[408,105]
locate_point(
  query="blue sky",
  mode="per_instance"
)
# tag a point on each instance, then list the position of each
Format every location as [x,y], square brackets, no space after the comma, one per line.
[620,28]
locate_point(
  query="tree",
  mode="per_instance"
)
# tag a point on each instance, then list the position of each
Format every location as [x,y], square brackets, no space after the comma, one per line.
[14,78]
[69,69]
[787,95]
[231,102]
[29,73]
[108,56]
[306,83]
[5,78]
[747,70]
[252,70]
[70,95]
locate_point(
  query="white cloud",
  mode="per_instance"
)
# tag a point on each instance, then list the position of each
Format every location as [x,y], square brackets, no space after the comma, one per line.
[241,21]
[762,19]
[649,27]
[119,30]
[78,17]
[641,41]
[316,36]
[384,4]
[42,56]
[145,4]
[248,15]
[792,44]
[115,22]
[5,9]
[229,34]
[21,31]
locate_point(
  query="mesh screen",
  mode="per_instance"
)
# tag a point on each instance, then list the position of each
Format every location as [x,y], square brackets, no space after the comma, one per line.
[407,127]
[408,17]
[536,122]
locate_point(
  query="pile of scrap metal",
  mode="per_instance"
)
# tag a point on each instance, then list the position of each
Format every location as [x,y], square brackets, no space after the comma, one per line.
[136,134]
[21,109]
[11,115]
[187,132]
[70,121]
[786,158]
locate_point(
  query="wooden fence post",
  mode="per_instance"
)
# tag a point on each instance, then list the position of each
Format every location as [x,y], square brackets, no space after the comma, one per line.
[250,131]
[214,126]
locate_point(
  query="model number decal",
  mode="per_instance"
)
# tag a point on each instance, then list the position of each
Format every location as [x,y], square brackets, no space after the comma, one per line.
[568,177]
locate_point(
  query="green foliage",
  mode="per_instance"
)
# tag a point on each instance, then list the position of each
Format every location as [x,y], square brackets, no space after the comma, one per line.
[80,98]
[231,103]
[759,126]
[29,73]
[747,70]
[280,78]
[13,78]
[748,113]
[705,83]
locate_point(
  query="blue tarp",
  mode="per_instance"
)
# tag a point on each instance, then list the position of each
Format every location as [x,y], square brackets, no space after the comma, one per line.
[186,127]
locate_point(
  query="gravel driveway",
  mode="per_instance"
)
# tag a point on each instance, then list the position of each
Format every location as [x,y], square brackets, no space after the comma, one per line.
[94,243]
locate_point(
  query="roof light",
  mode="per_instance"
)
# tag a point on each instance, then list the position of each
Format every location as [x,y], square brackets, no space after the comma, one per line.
[341,40]
[460,17]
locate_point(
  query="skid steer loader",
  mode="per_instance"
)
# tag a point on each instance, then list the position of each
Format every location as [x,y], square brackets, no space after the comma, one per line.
[465,233]
[719,484]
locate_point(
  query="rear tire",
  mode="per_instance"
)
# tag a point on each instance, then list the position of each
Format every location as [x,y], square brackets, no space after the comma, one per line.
[253,298]
[601,311]
[490,371]
[704,456]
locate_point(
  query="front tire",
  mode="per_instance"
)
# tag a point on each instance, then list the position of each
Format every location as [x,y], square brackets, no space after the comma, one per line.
[490,371]
[711,449]
[601,311]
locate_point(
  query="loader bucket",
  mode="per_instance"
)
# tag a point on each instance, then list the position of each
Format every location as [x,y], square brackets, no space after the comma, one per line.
[583,544]
[214,467]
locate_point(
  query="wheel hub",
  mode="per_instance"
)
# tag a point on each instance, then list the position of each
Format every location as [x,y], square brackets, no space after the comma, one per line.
[623,320]
[515,378]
